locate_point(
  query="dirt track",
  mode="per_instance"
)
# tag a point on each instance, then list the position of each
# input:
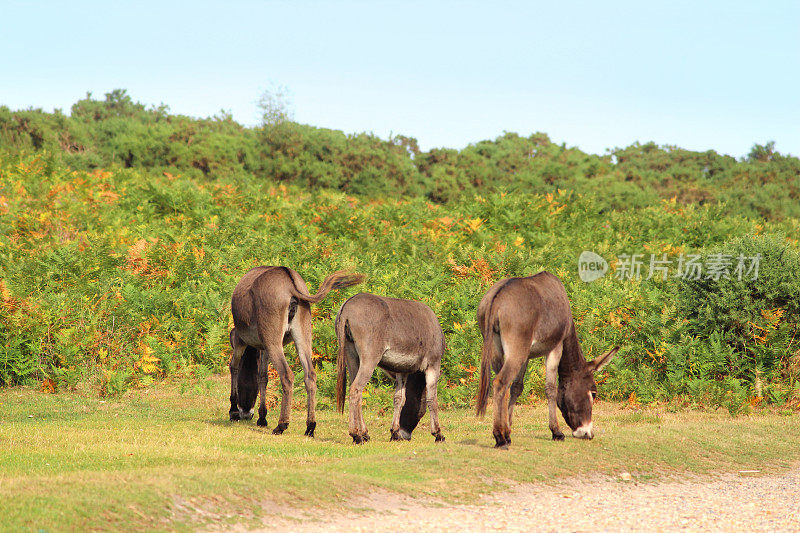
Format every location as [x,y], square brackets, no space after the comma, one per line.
[733,502]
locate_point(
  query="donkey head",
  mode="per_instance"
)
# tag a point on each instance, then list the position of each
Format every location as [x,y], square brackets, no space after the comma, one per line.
[576,394]
[247,382]
[414,408]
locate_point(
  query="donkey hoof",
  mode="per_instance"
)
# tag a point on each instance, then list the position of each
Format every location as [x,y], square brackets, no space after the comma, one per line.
[245,415]
[280,428]
[357,439]
[310,427]
[261,422]
[366,437]
[501,441]
[394,436]
[234,416]
[438,438]
[558,436]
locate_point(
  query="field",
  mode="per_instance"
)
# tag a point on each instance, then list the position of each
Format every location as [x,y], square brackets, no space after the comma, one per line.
[166,457]
[123,230]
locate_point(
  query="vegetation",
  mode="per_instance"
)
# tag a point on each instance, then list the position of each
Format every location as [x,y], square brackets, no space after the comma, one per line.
[123,230]
[118,131]
[159,459]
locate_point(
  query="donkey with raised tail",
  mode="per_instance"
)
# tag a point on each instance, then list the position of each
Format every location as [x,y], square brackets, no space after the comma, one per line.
[405,340]
[270,307]
[523,318]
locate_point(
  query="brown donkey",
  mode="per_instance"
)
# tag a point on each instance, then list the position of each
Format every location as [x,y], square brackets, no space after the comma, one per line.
[523,318]
[405,340]
[270,307]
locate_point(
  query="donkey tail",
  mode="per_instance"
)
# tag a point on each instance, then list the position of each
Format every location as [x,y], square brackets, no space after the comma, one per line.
[487,355]
[338,280]
[341,363]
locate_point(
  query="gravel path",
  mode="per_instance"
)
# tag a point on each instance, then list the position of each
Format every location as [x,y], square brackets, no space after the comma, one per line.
[738,502]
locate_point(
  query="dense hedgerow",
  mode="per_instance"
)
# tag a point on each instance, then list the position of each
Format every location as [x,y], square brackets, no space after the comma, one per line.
[112,278]
[123,230]
[118,131]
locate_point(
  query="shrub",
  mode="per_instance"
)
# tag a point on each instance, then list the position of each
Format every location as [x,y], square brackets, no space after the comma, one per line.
[748,326]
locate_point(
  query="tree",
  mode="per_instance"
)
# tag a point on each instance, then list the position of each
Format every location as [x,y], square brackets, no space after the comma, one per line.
[275,106]
[762,153]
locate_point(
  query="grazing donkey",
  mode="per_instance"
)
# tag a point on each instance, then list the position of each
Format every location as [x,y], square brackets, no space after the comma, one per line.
[405,340]
[522,318]
[270,307]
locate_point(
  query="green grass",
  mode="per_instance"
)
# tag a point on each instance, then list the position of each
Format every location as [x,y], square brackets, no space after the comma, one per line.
[159,458]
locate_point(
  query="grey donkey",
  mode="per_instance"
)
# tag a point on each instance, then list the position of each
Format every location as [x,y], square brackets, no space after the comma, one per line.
[270,307]
[523,318]
[405,340]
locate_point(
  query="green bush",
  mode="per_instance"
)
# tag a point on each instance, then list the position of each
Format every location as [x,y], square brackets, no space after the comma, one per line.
[123,230]
[118,131]
[751,323]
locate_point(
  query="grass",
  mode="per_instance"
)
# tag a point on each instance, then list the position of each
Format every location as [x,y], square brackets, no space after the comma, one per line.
[166,457]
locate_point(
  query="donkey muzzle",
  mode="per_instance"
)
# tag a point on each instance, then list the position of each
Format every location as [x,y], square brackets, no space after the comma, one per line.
[584,432]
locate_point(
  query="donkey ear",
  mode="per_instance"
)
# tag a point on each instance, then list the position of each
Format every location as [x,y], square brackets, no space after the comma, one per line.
[597,364]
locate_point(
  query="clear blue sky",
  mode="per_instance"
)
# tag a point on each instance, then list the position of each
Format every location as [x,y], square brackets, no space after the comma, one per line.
[701,75]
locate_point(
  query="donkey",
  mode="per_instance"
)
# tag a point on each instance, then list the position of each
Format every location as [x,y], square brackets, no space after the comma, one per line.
[523,318]
[270,307]
[405,340]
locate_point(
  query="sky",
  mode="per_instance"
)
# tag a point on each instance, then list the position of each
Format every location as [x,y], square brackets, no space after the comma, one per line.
[701,75]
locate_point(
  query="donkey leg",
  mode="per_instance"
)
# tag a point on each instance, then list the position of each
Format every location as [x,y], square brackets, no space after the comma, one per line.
[358,430]
[515,359]
[516,389]
[432,398]
[352,360]
[399,402]
[263,377]
[233,413]
[287,385]
[236,363]
[551,389]
[301,333]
